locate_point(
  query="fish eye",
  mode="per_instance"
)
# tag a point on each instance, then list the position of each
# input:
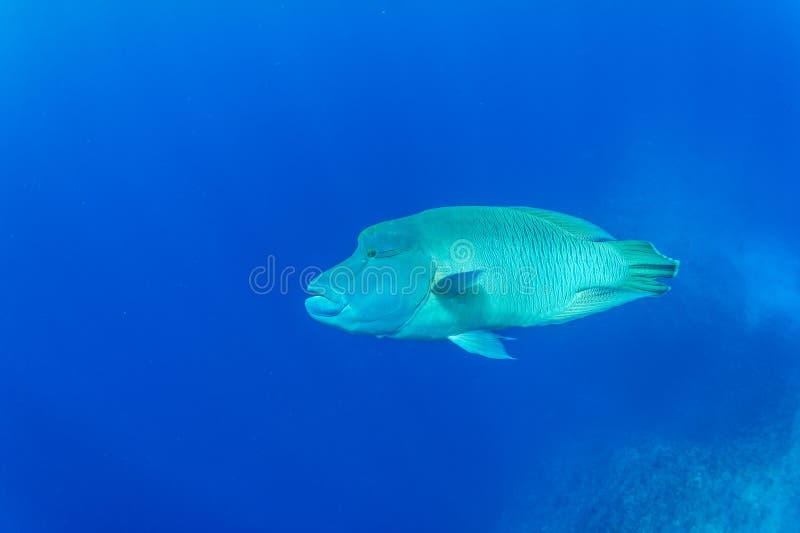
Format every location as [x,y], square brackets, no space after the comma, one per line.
[372,252]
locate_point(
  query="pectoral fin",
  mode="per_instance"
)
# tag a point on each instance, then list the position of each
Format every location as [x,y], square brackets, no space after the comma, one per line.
[456,284]
[481,342]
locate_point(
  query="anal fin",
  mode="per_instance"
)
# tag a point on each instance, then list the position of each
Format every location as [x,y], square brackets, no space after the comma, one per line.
[594,300]
[482,342]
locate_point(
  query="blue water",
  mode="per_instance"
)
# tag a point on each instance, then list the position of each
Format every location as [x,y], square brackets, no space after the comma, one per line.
[152,156]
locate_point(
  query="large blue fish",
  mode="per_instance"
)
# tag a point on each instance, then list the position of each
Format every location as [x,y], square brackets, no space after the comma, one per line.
[462,273]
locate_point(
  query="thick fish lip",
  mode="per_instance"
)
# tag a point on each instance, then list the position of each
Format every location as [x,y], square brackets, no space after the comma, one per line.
[320,306]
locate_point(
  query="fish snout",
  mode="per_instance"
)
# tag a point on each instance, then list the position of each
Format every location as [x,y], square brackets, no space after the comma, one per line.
[323,300]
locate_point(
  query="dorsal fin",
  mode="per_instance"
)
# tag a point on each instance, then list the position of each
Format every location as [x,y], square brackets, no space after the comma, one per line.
[577,227]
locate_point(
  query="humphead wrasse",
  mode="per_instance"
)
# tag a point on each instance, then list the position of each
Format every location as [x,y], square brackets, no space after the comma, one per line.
[463,273]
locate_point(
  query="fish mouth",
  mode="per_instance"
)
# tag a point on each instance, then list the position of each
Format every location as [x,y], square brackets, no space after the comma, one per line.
[321,306]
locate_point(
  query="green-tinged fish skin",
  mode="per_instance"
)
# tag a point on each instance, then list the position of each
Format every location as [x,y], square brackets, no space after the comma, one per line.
[463,272]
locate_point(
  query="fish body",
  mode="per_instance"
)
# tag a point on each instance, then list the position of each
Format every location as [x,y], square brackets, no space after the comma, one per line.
[463,273]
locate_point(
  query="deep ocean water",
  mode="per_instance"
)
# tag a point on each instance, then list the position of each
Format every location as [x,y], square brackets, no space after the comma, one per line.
[154,157]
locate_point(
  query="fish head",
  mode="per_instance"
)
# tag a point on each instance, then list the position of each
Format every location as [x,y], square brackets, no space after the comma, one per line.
[379,288]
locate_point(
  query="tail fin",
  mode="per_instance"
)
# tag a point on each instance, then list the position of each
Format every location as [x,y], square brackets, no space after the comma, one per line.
[645,264]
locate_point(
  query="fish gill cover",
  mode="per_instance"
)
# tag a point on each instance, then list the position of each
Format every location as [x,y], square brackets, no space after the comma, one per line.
[173,174]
